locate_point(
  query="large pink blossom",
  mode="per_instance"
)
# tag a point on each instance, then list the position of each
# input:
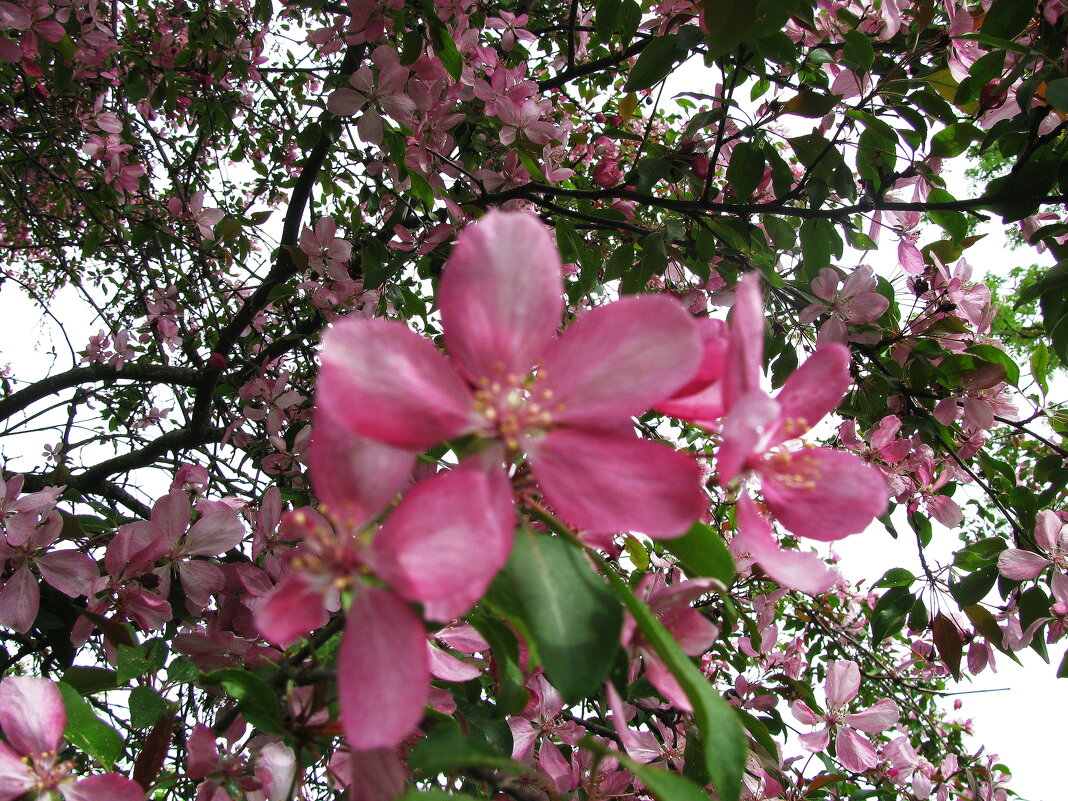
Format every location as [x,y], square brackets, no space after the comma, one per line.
[565,402]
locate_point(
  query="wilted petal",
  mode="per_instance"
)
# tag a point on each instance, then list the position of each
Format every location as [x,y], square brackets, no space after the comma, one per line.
[355,477]
[878,717]
[383,674]
[1019,565]
[813,390]
[821,493]
[501,295]
[619,360]
[608,481]
[382,380]
[795,570]
[111,786]
[446,540]
[855,753]
[32,714]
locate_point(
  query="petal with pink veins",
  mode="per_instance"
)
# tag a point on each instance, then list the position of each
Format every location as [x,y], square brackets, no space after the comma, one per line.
[448,668]
[855,753]
[745,431]
[382,380]
[383,671]
[745,355]
[795,570]
[377,775]
[1047,529]
[1018,564]
[804,714]
[821,493]
[813,390]
[70,572]
[608,481]
[32,715]
[843,683]
[213,534]
[618,360]
[501,296]
[20,600]
[16,778]
[878,717]
[354,477]
[424,549]
[816,741]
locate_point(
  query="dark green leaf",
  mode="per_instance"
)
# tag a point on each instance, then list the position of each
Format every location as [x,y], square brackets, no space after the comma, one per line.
[954,139]
[131,662]
[89,680]
[512,695]
[447,749]
[896,577]
[745,170]
[815,247]
[729,23]
[702,553]
[1006,19]
[145,707]
[858,51]
[255,699]
[974,587]
[655,63]
[569,612]
[1057,94]
[995,355]
[88,732]
[890,612]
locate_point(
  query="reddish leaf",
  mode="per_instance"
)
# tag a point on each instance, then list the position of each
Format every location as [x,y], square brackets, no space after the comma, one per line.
[154,752]
[949,640]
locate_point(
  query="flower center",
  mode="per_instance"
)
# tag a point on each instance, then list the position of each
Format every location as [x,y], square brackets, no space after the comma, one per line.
[514,406]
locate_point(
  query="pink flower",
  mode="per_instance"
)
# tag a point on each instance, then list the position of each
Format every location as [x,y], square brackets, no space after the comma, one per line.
[1051,534]
[565,402]
[33,718]
[820,493]
[856,753]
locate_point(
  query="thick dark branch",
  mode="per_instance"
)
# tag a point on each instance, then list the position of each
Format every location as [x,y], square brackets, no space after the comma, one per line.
[591,67]
[155,373]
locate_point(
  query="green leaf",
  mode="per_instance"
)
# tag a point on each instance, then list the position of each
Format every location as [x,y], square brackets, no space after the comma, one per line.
[130,663]
[1006,19]
[992,354]
[447,750]
[729,23]
[442,42]
[815,247]
[858,51]
[745,170]
[896,577]
[145,707]
[890,613]
[88,732]
[954,139]
[570,613]
[974,587]
[89,680]
[1040,366]
[655,63]
[512,695]
[255,699]
[722,734]
[1057,94]
[702,553]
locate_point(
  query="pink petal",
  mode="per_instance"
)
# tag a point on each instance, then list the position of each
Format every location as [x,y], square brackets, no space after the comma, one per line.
[382,380]
[448,668]
[714,343]
[796,570]
[661,677]
[605,481]
[745,432]
[16,778]
[813,390]
[344,102]
[213,534]
[745,357]
[821,493]
[295,608]
[377,775]
[501,295]
[843,683]
[111,786]
[1019,565]
[171,514]
[201,580]
[618,360]
[867,307]
[32,715]
[855,752]
[354,477]
[876,718]
[20,600]
[804,714]
[816,741]
[1047,529]
[70,572]
[383,672]
[945,510]
[446,540]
